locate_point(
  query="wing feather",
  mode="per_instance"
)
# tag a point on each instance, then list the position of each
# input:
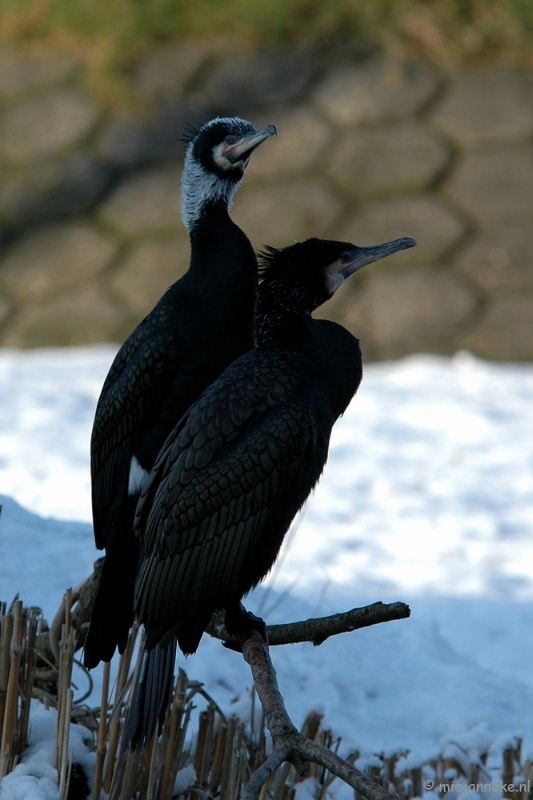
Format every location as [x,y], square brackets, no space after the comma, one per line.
[134,385]
[212,492]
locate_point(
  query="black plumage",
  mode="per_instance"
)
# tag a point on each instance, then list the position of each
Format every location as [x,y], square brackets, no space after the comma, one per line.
[237,468]
[201,324]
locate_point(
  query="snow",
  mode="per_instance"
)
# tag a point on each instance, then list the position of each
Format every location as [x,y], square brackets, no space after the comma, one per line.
[36,778]
[427,498]
[185,778]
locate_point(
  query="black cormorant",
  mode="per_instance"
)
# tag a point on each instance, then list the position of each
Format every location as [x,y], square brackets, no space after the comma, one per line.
[201,324]
[240,464]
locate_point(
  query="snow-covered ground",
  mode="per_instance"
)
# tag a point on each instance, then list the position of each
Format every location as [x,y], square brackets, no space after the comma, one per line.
[427,498]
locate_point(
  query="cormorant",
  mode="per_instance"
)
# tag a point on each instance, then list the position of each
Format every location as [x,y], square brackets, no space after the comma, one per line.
[240,464]
[201,324]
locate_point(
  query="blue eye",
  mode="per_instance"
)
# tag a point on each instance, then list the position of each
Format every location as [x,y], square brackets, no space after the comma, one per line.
[229,140]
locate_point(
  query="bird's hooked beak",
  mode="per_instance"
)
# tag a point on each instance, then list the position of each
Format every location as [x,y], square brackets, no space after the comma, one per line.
[244,147]
[352,260]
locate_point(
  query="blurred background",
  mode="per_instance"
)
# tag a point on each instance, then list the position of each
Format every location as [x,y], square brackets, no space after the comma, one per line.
[394,117]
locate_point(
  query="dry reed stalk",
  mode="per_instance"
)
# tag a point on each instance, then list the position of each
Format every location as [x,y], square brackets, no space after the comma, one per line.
[115,721]
[61,687]
[9,745]
[218,758]
[6,633]
[63,795]
[152,769]
[66,761]
[67,648]
[176,736]
[325,778]
[389,767]
[227,760]
[167,754]
[312,729]
[241,767]
[204,752]
[508,768]
[68,608]
[177,706]
[232,760]
[527,774]
[28,677]
[118,773]
[125,770]
[126,775]
[180,755]
[279,779]
[101,747]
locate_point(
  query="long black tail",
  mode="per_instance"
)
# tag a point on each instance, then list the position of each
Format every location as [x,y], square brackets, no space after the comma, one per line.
[151,695]
[112,615]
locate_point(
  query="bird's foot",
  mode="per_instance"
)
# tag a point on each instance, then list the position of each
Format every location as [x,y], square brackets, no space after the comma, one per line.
[239,624]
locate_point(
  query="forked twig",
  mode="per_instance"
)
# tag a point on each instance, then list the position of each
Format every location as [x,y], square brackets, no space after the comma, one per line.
[288,743]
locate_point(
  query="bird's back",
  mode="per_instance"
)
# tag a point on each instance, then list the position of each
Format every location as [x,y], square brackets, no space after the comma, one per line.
[230,480]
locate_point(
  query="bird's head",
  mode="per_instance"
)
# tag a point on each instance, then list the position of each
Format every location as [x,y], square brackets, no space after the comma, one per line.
[215,161]
[293,282]
[224,145]
[313,270]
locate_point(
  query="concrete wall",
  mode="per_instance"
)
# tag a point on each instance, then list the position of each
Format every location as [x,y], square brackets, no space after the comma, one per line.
[90,232]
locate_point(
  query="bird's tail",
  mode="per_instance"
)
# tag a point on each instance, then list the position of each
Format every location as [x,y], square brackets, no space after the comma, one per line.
[151,695]
[112,614]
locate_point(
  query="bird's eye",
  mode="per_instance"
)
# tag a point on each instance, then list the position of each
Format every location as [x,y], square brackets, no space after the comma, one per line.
[229,139]
[345,257]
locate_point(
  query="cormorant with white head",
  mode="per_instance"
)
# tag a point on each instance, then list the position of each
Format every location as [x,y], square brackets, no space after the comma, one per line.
[240,464]
[201,324]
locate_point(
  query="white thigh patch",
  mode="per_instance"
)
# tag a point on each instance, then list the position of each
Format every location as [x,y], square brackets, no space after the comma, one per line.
[138,477]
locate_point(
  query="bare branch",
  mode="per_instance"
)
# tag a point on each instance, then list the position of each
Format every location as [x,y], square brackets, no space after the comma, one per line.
[289,744]
[252,789]
[313,751]
[319,629]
